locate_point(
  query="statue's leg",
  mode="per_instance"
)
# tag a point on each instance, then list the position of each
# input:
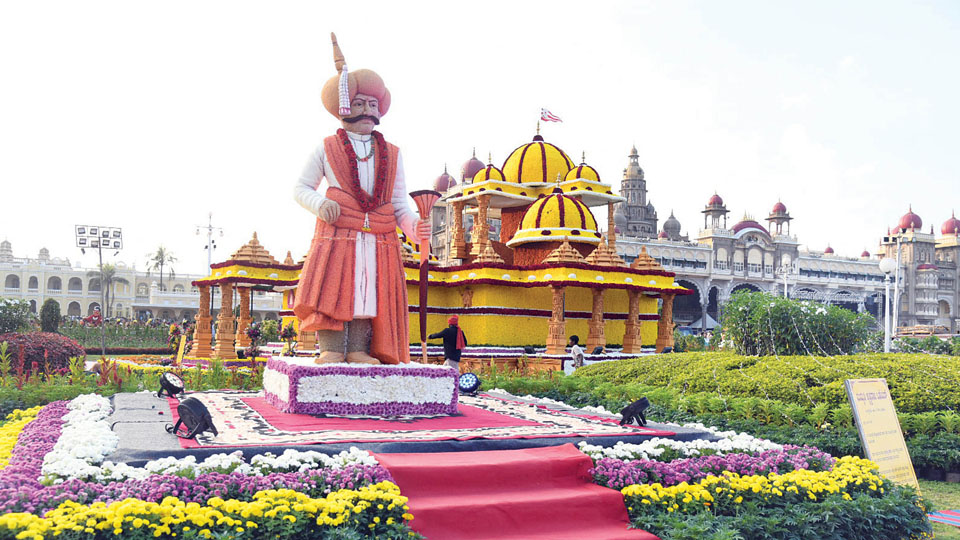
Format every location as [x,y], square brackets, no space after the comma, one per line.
[331,342]
[359,334]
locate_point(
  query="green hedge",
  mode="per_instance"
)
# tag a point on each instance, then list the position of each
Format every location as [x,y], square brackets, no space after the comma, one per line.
[759,323]
[918,382]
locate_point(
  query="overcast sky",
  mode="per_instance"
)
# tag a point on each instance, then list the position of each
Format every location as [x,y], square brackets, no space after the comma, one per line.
[147,116]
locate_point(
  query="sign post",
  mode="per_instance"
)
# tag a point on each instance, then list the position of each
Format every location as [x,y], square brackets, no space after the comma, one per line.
[879,428]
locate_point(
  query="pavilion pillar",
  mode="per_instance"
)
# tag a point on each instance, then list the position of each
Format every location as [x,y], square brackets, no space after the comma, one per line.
[595,335]
[202,335]
[225,346]
[245,319]
[557,328]
[665,326]
[458,247]
[481,228]
[611,229]
[631,335]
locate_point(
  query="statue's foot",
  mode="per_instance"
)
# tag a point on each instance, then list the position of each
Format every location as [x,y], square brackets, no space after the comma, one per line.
[359,357]
[329,357]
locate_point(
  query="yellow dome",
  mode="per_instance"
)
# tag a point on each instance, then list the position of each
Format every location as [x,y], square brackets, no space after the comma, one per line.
[536,161]
[557,217]
[582,172]
[488,173]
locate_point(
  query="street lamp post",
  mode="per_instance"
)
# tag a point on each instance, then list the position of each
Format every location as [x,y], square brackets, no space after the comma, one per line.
[95,236]
[887,266]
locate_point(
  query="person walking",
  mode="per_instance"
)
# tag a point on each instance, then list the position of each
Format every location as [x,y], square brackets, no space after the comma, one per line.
[454,341]
[576,353]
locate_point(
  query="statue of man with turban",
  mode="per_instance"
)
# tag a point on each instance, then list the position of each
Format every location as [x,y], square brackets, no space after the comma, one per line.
[352,288]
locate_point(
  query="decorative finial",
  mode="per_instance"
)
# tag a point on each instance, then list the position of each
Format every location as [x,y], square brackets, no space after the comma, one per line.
[255,236]
[538,127]
[583,157]
[559,179]
[474,152]
[489,158]
[338,59]
[444,168]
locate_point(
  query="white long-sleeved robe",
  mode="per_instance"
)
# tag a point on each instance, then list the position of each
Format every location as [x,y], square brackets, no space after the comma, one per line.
[306,193]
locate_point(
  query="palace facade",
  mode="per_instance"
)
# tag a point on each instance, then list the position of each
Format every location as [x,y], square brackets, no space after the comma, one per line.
[135,294]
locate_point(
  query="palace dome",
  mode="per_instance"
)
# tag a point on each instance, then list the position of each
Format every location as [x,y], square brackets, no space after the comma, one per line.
[444,181]
[828,251]
[779,208]
[488,173]
[582,171]
[910,221]
[716,200]
[747,223]
[557,217]
[865,254]
[536,161]
[951,226]
[663,234]
[672,226]
[470,168]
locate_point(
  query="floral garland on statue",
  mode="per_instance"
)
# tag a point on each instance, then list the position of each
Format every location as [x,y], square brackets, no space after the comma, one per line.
[368,202]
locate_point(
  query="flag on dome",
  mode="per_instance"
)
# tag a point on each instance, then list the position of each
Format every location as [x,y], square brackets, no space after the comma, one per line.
[548,116]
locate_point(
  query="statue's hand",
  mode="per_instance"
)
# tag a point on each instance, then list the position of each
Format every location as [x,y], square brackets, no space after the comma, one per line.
[329,211]
[423,230]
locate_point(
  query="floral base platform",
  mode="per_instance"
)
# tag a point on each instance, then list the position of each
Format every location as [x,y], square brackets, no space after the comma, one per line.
[298,386]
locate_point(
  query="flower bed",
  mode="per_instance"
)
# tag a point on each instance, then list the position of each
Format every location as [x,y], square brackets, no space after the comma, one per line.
[374,511]
[859,502]
[10,431]
[618,474]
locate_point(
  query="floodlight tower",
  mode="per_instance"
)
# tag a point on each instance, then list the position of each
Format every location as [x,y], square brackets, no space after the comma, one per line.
[96,236]
[211,244]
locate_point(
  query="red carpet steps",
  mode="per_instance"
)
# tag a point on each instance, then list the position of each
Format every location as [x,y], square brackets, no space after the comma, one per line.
[528,494]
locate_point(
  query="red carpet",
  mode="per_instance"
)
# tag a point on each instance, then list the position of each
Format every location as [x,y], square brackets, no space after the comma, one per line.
[530,494]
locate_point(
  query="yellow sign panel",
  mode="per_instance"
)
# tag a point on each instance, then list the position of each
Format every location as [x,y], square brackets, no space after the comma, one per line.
[879,429]
[180,349]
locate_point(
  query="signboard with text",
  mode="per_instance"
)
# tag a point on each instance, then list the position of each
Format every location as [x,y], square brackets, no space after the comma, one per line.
[879,429]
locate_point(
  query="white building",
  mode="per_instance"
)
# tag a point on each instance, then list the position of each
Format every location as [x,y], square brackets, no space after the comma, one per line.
[135,294]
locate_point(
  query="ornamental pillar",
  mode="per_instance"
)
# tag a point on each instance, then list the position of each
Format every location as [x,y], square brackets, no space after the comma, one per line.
[481,228]
[458,247]
[665,326]
[245,319]
[202,334]
[611,229]
[557,328]
[595,335]
[225,346]
[631,335]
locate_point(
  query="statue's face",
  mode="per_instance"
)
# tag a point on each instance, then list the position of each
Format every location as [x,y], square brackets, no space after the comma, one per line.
[364,115]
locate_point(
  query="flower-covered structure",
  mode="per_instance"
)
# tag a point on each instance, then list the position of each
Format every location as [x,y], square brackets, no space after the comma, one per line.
[549,274]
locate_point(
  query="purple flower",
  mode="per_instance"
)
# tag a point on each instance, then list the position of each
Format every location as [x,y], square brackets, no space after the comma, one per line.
[617,474]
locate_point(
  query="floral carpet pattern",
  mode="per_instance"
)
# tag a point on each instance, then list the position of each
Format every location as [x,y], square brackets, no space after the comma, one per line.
[246,419]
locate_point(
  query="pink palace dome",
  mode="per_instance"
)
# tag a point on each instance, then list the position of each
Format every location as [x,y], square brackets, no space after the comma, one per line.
[910,220]
[444,181]
[828,251]
[951,226]
[471,167]
[779,208]
[715,200]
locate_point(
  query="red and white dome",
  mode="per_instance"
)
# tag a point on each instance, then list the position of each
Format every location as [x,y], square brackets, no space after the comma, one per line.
[779,208]
[951,226]
[828,251]
[865,254]
[715,200]
[910,221]
[663,234]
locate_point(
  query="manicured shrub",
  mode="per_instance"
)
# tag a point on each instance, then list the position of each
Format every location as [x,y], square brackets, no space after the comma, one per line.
[270,331]
[50,315]
[762,324]
[14,315]
[48,350]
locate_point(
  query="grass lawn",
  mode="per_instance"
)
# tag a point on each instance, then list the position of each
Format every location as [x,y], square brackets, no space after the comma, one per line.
[943,496]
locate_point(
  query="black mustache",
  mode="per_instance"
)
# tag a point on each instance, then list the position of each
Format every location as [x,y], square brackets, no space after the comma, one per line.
[355,119]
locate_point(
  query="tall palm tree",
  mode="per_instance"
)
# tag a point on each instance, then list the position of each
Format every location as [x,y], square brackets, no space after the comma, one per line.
[157,260]
[110,278]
